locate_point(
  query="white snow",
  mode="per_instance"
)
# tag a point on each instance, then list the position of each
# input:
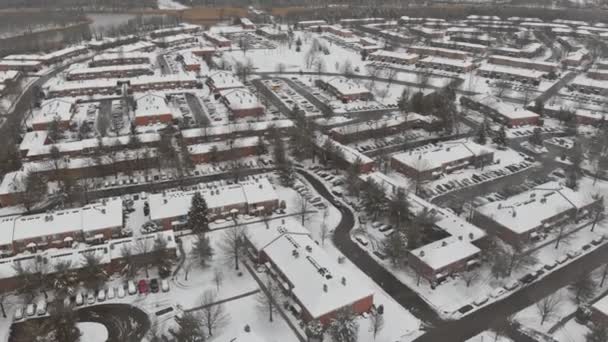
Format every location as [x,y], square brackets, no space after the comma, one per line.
[92,332]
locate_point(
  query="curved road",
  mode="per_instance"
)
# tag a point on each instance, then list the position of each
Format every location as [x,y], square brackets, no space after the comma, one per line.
[125,323]
[494,314]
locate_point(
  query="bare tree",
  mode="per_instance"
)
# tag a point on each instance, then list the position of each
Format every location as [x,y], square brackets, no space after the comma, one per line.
[201,250]
[563,235]
[303,205]
[189,328]
[232,244]
[583,288]
[470,276]
[187,266]
[377,322]
[501,86]
[143,247]
[218,278]
[214,316]
[268,299]
[324,233]
[548,307]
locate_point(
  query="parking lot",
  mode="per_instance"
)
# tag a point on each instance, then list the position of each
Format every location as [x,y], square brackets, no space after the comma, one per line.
[290,98]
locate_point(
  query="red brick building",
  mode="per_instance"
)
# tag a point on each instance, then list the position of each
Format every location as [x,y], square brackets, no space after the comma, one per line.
[500,111]
[213,152]
[345,89]
[152,109]
[55,110]
[315,285]
[217,40]
[241,103]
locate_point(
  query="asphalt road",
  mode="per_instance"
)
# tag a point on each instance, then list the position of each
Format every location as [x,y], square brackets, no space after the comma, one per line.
[341,238]
[125,323]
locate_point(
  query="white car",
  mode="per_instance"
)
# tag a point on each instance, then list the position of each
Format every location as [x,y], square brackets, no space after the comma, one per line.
[91,298]
[164,285]
[19,313]
[498,292]
[121,292]
[101,295]
[30,310]
[41,309]
[79,299]
[111,293]
[132,289]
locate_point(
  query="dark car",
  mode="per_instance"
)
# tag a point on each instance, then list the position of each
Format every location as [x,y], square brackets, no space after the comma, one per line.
[154,285]
[528,278]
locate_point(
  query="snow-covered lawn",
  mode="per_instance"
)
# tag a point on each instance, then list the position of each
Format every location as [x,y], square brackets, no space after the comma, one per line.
[488,336]
[92,332]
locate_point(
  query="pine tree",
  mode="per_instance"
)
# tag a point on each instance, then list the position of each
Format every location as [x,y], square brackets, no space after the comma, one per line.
[344,328]
[501,136]
[197,215]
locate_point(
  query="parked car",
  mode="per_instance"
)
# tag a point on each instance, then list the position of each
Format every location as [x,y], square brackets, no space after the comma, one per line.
[18,313]
[512,285]
[41,307]
[142,286]
[154,285]
[121,292]
[481,301]
[30,310]
[362,240]
[497,292]
[101,295]
[131,287]
[111,293]
[79,299]
[164,285]
[91,298]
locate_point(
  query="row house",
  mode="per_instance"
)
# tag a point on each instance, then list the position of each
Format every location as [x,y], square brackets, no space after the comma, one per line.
[438,52]
[218,151]
[241,103]
[527,51]
[502,112]
[23,66]
[235,130]
[393,57]
[112,71]
[183,28]
[456,45]
[343,155]
[165,82]
[510,73]
[522,217]
[431,161]
[112,42]
[315,285]
[176,40]
[117,58]
[345,89]
[54,110]
[82,88]
[152,109]
[217,40]
[169,209]
[523,63]
[223,80]
[447,64]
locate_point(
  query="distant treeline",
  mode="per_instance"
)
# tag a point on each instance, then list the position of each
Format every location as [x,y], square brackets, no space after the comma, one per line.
[79,4]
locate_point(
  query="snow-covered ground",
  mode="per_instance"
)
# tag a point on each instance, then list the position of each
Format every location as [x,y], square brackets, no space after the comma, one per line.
[170,5]
[92,332]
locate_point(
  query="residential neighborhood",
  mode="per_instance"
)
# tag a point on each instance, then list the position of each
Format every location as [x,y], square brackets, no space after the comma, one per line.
[300,171]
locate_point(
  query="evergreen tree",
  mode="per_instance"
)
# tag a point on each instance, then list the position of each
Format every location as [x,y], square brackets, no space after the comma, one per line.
[344,328]
[198,219]
[189,328]
[501,136]
[481,134]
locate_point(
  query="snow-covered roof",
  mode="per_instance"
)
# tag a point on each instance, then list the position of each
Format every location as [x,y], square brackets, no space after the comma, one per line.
[109,68]
[60,85]
[54,109]
[246,21]
[393,54]
[112,56]
[110,40]
[240,98]
[107,214]
[531,209]
[177,203]
[528,61]
[503,108]
[19,63]
[584,81]
[150,79]
[311,22]
[216,37]
[180,28]
[151,105]
[174,39]
[346,86]
[235,128]
[225,80]
[8,75]
[350,154]
[445,252]
[223,145]
[447,61]
[530,48]
[137,46]
[436,156]
[39,149]
[386,122]
[33,139]
[133,244]
[509,70]
[602,305]
[319,283]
